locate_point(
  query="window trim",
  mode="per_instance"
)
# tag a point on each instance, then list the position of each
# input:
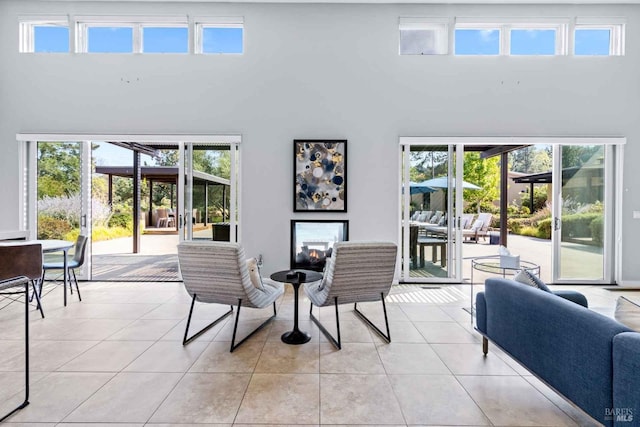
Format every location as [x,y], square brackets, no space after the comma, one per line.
[200,23]
[440,26]
[26,31]
[617,30]
[136,23]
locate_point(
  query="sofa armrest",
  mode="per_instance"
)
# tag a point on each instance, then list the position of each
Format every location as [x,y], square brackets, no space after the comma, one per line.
[626,379]
[573,296]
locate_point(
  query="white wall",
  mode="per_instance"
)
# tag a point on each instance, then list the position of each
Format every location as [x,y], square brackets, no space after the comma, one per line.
[319,71]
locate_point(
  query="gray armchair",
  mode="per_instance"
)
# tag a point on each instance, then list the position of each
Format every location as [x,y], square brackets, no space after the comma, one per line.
[216,272]
[357,272]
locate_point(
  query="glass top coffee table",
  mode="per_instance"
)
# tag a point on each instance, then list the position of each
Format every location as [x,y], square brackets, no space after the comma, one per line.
[296,278]
[491,264]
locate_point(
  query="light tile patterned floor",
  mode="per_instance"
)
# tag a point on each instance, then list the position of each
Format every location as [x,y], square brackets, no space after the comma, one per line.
[117,357]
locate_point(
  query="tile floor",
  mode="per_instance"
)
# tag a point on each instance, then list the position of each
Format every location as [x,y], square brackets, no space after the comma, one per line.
[117,357]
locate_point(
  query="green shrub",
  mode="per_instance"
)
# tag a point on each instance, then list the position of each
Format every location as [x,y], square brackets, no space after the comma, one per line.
[544,228]
[122,220]
[107,233]
[515,225]
[597,229]
[52,228]
[528,231]
[578,225]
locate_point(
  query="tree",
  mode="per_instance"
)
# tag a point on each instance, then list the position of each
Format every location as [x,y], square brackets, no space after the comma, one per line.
[531,159]
[58,169]
[485,173]
[428,164]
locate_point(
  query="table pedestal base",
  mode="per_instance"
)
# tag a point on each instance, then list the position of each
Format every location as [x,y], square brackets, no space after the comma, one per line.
[295,337]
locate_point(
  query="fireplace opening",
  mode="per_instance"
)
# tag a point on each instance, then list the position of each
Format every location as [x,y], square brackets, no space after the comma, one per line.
[312,242]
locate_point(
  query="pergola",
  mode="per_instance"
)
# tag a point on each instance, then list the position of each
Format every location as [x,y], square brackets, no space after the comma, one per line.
[165,175]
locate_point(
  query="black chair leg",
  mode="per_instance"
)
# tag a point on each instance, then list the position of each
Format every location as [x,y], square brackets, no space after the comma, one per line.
[186,340]
[26,355]
[235,327]
[35,294]
[337,343]
[387,337]
[75,279]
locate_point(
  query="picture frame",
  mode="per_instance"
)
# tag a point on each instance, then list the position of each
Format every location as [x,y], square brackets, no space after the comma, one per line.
[320,175]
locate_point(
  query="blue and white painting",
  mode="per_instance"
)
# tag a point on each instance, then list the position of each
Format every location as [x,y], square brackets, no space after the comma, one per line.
[320,175]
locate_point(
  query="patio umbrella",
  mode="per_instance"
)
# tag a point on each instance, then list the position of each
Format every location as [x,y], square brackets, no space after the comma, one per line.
[419,188]
[443,182]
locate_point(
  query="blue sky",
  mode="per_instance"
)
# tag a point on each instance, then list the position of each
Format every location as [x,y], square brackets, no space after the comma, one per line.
[154,39]
[230,40]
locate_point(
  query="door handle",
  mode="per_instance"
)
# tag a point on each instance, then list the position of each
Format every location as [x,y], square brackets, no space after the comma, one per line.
[180,224]
[83,220]
[556,223]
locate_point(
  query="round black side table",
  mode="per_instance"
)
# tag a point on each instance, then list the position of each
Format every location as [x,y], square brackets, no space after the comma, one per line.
[296,278]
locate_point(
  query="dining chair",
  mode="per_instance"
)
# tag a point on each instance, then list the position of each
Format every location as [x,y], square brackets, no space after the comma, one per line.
[75,261]
[23,260]
[20,267]
[217,273]
[357,272]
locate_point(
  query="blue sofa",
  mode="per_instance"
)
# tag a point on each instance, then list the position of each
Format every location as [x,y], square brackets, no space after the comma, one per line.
[590,359]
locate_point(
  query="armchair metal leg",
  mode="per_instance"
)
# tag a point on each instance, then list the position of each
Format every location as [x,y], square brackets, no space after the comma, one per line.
[387,337]
[337,343]
[186,340]
[485,345]
[235,327]
[26,355]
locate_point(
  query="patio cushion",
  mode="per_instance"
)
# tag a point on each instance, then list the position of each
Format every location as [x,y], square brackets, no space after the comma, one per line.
[526,277]
[477,225]
[628,313]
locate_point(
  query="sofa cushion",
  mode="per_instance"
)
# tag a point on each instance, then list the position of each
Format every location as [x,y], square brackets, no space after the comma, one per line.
[528,278]
[254,273]
[628,313]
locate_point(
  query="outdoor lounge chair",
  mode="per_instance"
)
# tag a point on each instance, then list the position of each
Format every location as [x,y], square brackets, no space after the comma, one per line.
[357,272]
[479,228]
[217,272]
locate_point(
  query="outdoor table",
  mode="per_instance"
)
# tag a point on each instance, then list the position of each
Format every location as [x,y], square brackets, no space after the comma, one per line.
[295,278]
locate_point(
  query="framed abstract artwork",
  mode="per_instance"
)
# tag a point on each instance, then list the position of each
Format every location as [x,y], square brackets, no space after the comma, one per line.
[319,175]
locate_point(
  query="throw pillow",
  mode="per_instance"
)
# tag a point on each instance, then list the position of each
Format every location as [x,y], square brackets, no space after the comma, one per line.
[628,313]
[442,222]
[528,278]
[422,218]
[254,273]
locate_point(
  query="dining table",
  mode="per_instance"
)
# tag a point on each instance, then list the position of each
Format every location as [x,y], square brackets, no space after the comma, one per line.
[49,246]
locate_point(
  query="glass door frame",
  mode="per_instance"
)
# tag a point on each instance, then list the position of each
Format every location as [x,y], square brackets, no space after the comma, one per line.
[28,182]
[185,191]
[454,210]
[29,214]
[612,204]
[613,227]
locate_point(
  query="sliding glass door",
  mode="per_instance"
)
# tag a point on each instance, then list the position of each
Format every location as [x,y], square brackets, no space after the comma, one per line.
[208,202]
[582,226]
[430,213]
